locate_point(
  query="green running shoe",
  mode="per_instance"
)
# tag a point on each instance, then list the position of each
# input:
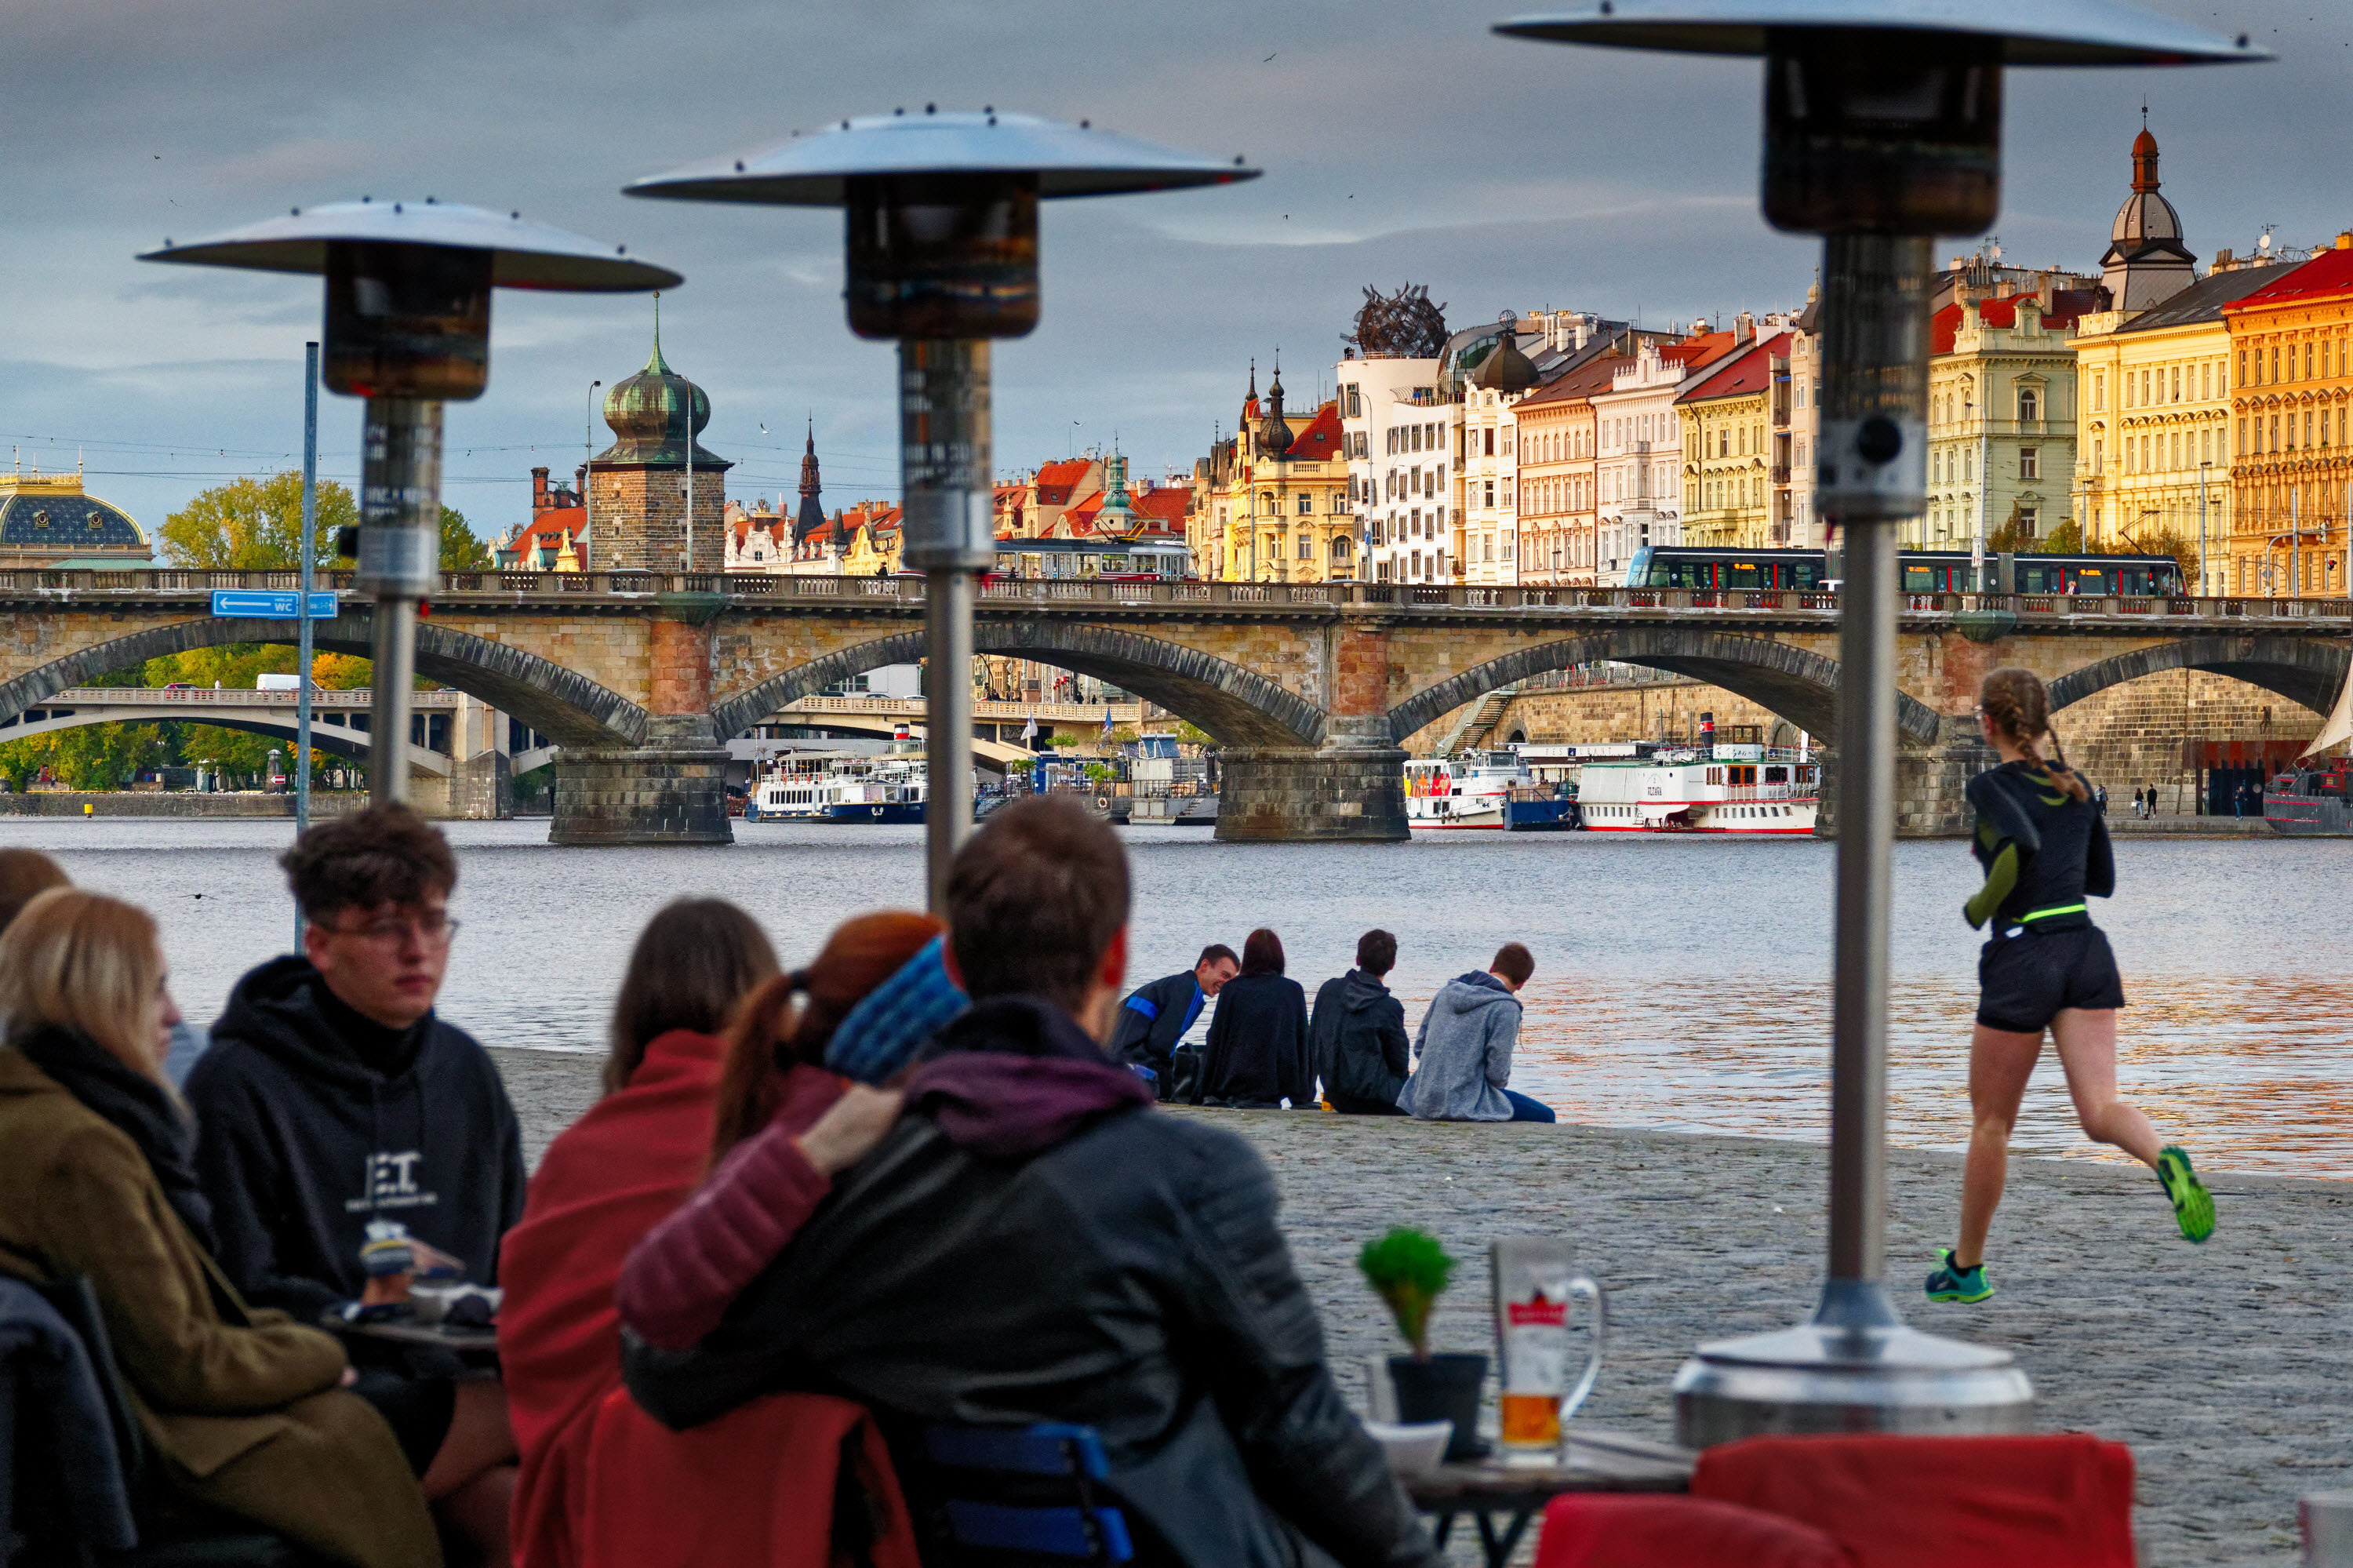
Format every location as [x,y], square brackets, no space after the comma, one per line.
[1967,1285]
[2193,1206]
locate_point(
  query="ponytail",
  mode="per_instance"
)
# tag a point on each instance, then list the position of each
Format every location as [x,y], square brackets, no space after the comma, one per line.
[2018,705]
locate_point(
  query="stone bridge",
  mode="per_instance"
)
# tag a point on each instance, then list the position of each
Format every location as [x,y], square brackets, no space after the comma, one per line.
[1309,688]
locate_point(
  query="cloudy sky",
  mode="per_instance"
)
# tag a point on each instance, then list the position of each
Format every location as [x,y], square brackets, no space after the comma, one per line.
[1402,141]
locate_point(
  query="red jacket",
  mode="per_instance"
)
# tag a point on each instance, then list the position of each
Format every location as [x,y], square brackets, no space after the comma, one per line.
[603,1183]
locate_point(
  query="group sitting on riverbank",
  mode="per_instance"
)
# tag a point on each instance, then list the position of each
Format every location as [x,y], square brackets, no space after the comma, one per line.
[822,1213]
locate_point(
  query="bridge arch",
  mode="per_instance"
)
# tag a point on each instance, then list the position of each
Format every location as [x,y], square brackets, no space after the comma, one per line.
[563,705]
[1231,704]
[2302,669]
[1795,682]
[335,739]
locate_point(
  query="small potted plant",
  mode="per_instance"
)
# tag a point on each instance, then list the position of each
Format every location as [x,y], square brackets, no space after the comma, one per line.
[1409,1270]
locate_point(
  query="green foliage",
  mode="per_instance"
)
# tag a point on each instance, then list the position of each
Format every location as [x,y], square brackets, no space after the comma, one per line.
[249,525]
[1125,736]
[2067,539]
[94,757]
[1100,773]
[2157,542]
[1409,1270]
[1192,735]
[460,551]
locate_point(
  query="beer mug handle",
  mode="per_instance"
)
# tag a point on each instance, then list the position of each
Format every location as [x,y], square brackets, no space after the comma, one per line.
[1575,1397]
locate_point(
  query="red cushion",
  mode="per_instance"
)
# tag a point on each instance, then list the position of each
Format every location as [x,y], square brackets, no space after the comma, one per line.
[1598,1529]
[2060,1501]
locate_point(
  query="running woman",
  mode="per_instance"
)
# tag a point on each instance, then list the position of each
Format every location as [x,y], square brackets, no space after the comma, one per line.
[2045,965]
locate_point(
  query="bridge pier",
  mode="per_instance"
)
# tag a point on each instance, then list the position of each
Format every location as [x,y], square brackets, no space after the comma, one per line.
[1351,790]
[1931,783]
[672,788]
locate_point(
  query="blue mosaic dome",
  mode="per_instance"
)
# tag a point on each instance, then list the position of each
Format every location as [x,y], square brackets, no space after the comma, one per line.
[68,523]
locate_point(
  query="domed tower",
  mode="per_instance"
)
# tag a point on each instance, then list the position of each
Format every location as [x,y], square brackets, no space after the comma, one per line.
[810,519]
[2147,262]
[1274,437]
[640,480]
[1506,369]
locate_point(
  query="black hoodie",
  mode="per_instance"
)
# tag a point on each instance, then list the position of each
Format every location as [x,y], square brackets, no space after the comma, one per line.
[1358,1041]
[312,1119]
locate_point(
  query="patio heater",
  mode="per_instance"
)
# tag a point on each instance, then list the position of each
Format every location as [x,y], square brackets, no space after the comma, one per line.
[408,328]
[942,239]
[1882,128]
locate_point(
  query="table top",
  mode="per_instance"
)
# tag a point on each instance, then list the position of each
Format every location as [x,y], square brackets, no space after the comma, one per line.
[1591,1461]
[455,1337]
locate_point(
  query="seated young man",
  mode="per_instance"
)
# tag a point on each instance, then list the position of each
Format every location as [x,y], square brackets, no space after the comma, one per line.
[1152,1021]
[1035,1243]
[331,1099]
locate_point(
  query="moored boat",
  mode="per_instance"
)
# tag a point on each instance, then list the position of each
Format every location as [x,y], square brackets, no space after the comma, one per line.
[2312,803]
[1714,787]
[1470,791]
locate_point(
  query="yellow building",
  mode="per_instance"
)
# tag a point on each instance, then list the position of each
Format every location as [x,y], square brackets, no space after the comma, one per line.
[2292,469]
[1274,505]
[2153,400]
[874,541]
[1728,449]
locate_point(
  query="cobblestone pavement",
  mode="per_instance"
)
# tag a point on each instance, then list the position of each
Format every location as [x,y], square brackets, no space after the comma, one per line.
[2226,1367]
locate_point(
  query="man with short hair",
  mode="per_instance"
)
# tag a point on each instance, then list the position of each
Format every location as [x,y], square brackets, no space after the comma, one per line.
[1356,1034]
[1463,1070]
[1153,1019]
[331,1097]
[1034,1242]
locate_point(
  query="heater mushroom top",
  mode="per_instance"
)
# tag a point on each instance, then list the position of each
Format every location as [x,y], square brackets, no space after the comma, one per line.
[814,169]
[2032,32]
[524,255]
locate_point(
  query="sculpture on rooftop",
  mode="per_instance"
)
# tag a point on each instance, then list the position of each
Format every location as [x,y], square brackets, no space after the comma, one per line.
[1403,325]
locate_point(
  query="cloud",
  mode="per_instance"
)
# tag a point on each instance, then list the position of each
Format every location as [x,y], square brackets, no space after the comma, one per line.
[1401,142]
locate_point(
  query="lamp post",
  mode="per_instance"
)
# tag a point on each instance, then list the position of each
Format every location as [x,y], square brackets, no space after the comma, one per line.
[942,226]
[1882,127]
[408,328]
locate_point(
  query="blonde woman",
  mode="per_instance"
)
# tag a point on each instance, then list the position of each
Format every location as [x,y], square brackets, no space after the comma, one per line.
[2045,967]
[246,1407]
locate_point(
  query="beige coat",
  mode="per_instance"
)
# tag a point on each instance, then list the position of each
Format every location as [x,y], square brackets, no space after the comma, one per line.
[243,1404]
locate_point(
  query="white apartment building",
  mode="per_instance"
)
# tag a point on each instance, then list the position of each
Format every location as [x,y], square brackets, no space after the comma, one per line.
[1805,431]
[1399,436]
[1639,453]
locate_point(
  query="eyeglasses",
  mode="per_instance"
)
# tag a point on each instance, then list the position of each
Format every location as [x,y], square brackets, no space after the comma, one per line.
[432,930]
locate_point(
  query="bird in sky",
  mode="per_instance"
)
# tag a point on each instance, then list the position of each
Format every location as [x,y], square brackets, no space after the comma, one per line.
[1270,56]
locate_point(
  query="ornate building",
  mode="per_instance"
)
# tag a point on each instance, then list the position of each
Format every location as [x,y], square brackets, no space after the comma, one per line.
[1729,428]
[1275,499]
[2292,453]
[46,520]
[2147,262]
[556,537]
[2001,418]
[638,486]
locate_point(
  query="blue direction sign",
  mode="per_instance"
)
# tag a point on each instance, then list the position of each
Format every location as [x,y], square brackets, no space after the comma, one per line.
[270,604]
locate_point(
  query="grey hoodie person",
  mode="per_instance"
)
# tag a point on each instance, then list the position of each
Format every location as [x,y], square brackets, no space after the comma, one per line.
[1464,1053]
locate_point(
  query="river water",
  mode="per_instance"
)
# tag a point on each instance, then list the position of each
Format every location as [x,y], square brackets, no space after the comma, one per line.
[1681,983]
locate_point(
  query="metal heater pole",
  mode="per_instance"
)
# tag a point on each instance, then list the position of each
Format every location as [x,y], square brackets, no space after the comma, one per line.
[945,462]
[2205,573]
[399,563]
[303,602]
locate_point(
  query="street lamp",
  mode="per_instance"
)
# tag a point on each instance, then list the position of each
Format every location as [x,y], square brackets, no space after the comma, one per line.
[408,328]
[1882,128]
[942,231]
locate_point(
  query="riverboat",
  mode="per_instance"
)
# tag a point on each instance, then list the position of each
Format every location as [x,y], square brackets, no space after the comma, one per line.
[1714,787]
[837,788]
[1469,791]
[2312,803]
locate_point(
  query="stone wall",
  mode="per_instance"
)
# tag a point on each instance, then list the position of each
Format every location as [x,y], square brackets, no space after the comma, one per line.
[173,804]
[2130,736]
[641,518]
[1651,710]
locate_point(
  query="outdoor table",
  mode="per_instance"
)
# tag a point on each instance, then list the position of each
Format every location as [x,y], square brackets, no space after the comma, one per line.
[476,1347]
[1591,1461]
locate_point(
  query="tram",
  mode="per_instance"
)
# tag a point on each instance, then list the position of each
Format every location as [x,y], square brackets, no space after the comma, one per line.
[1925,571]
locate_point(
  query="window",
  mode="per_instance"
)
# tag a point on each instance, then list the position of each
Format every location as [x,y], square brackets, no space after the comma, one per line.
[1307,504]
[2029,405]
[1491,445]
[1491,492]
[2099,394]
[2177,384]
[2029,462]
[1306,547]
[1355,401]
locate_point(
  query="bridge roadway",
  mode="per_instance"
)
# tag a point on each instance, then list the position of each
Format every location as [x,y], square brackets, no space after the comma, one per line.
[1308,688]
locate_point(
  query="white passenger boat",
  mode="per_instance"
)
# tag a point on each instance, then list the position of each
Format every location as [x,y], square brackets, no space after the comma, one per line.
[836,787]
[1715,787]
[1467,791]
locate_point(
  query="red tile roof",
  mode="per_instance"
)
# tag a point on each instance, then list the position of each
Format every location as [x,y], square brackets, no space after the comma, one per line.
[2330,272]
[1744,374]
[1055,480]
[1164,508]
[2068,306]
[1320,441]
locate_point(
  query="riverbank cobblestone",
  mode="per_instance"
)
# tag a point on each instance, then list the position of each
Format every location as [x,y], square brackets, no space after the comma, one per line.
[2226,1367]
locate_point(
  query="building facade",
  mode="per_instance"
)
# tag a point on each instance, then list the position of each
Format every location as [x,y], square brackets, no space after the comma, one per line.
[556,539]
[2291,471]
[1639,449]
[1282,508]
[2001,420]
[1727,425]
[1395,437]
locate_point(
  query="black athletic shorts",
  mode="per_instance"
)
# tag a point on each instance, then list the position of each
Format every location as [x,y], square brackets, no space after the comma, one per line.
[2023,981]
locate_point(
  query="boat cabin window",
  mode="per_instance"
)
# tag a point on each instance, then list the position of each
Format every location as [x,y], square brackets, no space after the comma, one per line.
[1777,776]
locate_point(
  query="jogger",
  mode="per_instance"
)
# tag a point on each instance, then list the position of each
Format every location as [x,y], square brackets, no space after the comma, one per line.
[2045,967]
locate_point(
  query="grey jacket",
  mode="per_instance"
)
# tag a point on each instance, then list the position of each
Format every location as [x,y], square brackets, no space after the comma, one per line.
[1464,1053]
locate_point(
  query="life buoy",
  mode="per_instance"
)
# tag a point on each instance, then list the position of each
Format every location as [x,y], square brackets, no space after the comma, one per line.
[876,809]
[1102,802]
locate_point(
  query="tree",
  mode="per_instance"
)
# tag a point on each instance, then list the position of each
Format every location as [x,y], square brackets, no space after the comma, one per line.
[249,525]
[93,756]
[2165,542]
[460,550]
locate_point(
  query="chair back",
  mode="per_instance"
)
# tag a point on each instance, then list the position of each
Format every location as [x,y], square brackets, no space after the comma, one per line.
[1020,1495]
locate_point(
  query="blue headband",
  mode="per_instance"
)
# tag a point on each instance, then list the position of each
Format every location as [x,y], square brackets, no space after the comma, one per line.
[881,1034]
